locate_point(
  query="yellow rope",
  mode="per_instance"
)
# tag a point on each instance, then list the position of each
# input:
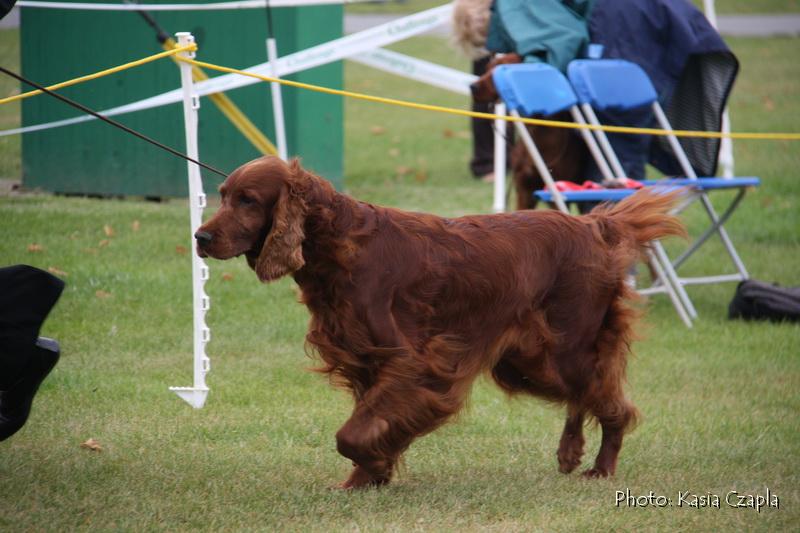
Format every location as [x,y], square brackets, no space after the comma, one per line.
[465,113]
[188,48]
[412,105]
[235,115]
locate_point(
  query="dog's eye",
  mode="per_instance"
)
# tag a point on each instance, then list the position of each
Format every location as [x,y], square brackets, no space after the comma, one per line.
[246,200]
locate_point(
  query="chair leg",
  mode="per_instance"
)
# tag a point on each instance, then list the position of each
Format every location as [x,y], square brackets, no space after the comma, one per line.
[673,279]
[676,301]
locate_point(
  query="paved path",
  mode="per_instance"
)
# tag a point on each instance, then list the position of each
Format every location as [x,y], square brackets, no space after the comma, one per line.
[11,20]
[729,25]
[759,25]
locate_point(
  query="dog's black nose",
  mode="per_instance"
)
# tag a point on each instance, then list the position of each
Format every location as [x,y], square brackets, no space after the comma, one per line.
[203,238]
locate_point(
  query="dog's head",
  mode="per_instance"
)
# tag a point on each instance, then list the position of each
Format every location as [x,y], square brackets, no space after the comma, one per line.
[261,216]
[483,90]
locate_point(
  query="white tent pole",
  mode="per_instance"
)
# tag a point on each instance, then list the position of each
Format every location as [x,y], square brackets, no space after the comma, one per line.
[277,100]
[711,12]
[726,160]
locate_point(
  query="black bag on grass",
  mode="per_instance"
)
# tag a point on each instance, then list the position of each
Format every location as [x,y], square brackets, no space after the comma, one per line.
[757,300]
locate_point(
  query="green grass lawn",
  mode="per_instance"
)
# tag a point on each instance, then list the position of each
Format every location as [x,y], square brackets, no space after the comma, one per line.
[9,113]
[720,402]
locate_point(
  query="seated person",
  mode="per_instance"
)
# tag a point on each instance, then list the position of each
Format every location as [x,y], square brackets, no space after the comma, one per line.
[690,66]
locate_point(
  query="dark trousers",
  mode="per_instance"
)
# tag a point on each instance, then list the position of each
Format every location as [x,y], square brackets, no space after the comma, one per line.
[482,161]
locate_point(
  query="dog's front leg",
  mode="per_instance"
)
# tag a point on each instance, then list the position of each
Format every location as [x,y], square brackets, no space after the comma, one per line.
[363,440]
[393,412]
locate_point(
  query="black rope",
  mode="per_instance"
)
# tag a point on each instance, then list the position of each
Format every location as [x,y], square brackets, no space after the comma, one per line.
[503,135]
[161,35]
[270,32]
[111,121]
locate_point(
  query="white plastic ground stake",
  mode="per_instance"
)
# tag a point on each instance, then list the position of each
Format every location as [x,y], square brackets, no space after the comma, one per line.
[196,394]
[499,204]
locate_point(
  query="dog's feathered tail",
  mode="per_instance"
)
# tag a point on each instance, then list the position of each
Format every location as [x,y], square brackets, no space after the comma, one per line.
[641,218]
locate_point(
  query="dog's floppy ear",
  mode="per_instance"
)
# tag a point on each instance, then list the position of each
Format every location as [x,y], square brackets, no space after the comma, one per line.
[282,252]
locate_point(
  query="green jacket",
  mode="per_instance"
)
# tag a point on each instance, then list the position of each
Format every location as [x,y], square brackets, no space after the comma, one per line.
[550,31]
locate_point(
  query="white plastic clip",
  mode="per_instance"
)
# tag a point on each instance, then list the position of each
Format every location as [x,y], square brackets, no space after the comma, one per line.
[204,273]
[195,102]
[201,201]
[205,335]
[186,38]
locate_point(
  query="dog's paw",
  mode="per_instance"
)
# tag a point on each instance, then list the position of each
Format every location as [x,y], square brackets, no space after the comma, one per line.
[596,473]
[360,479]
[568,463]
[570,451]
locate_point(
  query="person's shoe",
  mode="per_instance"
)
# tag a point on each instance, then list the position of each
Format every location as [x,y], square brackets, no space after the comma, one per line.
[15,403]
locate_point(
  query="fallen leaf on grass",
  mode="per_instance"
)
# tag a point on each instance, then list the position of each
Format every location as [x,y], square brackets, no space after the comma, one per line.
[227,276]
[394,152]
[421,176]
[103,243]
[377,130]
[35,247]
[447,133]
[181,250]
[402,170]
[769,104]
[102,294]
[56,271]
[135,225]
[92,251]
[108,230]
[93,445]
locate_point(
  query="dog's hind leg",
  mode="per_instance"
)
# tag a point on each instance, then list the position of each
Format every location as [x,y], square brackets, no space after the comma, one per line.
[613,410]
[616,414]
[570,448]
[613,429]
[605,396]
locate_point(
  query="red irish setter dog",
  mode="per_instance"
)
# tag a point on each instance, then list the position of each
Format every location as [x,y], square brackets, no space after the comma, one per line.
[407,309]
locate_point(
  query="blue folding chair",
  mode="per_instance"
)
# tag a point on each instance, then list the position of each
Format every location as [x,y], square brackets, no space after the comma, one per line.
[619,85]
[540,89]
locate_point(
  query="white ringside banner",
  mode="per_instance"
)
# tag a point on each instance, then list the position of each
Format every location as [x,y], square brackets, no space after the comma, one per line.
[216,6]
[417,69]
[344,47]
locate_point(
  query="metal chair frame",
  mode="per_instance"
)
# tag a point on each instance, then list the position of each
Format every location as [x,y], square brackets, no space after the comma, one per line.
[656,255]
